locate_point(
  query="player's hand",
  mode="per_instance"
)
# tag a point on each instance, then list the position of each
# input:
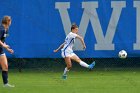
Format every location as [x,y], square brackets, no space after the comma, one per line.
[11,51]
[55,50]
[84,47]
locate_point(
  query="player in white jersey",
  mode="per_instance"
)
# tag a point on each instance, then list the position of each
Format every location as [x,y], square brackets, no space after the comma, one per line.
[67,51]
[69,41]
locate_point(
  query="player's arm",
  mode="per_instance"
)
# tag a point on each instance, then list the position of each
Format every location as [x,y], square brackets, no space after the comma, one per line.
[60,47]
[7,47]
[3,45]
[82,41]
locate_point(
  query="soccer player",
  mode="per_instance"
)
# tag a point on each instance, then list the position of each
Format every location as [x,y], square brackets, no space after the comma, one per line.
[67,51]
[4,26]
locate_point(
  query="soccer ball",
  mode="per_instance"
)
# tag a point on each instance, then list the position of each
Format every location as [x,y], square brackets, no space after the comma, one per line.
[122,54]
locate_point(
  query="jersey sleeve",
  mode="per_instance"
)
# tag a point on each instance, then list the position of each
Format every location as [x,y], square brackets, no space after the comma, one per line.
[73,35]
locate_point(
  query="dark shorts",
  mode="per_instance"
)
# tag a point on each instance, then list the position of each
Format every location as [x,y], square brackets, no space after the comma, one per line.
[1,51]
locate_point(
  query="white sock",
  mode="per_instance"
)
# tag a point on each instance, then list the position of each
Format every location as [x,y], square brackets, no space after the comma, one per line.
[65,71]
[82,63]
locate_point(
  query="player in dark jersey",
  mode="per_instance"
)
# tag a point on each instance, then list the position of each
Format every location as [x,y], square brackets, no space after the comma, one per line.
[4,26]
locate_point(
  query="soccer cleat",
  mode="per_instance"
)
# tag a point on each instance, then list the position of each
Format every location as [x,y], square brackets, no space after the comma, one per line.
[91,66]
[64,77]
[8,85]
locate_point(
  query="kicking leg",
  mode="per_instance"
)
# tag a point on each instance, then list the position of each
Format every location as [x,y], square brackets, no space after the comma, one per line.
[77,59]
[82,63]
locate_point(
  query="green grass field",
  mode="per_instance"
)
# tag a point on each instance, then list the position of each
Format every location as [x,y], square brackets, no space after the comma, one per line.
[96,81]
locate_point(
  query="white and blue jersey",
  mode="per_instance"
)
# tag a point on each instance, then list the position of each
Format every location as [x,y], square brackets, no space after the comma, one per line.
[67,50]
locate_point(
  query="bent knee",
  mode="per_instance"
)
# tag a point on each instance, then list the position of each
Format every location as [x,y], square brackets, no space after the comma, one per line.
[69,67]
[78,60]
[5,67]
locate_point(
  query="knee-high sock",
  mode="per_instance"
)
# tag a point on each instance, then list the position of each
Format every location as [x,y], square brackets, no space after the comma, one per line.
[5,77]
[65,71]
[82,63]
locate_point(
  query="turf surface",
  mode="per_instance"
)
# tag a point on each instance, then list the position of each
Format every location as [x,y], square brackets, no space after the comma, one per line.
[96,81]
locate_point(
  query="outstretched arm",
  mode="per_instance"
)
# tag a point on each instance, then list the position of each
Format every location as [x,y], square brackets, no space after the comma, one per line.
[82,41]
[60,47]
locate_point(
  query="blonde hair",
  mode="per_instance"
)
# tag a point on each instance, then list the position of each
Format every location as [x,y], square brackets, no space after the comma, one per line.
[6,19]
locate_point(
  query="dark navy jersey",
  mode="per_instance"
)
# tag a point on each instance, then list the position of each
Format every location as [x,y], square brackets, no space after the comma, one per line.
[3,33]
